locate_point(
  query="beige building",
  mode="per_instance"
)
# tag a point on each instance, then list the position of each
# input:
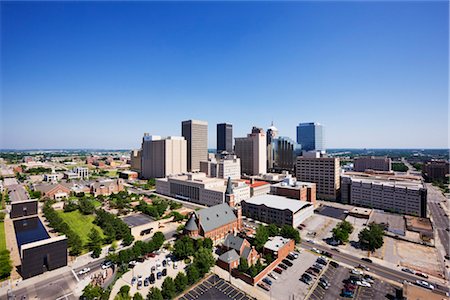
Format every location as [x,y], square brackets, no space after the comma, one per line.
[196,134]
[222,166]
[399,194]
[252,150]
[162,157]
[323,171]
[135,160]
[198,188]
[360,164]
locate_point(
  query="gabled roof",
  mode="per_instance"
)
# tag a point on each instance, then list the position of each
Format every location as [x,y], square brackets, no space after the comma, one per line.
[233,242]
[229,256]
[191,225]
[215,216]
[246,252]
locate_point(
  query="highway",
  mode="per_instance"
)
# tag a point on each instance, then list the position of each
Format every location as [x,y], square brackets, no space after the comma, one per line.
[441,221]
[382,271]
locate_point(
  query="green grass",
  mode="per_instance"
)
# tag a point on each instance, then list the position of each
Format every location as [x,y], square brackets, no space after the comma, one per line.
[97,203]
[2,237]
[80,224]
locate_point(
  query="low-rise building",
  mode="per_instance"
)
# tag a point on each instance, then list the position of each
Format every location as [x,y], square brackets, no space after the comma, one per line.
[258,188]
[70,176]
[291,188]
[277,209]
[392,193]
[214,222]
[52,177]
[198,188]
[141,225]
[222,165]
[128,175]
[106,187]
[82,172]
[56,191]
[279,246]
[436,170]
[363,163]
[236,248]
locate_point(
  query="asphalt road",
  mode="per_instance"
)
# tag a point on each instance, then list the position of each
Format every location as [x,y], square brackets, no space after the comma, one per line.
[379,270]
[441,221]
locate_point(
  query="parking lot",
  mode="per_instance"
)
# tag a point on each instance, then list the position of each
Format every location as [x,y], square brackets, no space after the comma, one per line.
[214,287]
[337,277]
[288,285]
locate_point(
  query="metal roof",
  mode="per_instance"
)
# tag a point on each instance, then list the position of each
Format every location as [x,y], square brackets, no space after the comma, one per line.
[229,256]
[215,216]
[278,202]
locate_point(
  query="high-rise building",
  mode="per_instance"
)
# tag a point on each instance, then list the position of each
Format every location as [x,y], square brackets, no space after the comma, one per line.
[436,170]
[323,171]
[222,166]
[135,160]
[196,134]
[360,164]
[224,137]
[162,157]
[252,150]
[310,136]
[281,154]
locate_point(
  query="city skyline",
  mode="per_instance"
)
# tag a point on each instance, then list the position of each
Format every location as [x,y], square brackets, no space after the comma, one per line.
[369,72]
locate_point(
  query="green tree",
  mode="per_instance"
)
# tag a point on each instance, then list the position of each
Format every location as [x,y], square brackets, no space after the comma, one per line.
[138,296]
[193,274]
[124,292]
[208,243]
[92,292]
[184,247]
[243,265]
[154,294]
[347,226]
[340,235]
[168,288]
[5,264]
[181,281]
[75,243]
[95,240]
[372,237]
[273,230]
[261,237]
[204,260]
[290,232]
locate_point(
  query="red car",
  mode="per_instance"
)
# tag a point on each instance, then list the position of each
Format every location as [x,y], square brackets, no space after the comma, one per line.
[278,270]
[151,254]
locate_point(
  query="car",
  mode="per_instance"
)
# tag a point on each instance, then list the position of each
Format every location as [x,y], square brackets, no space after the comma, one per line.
[291,257]
[363,283]
[316,250]
[307,276]
[324,280]
[323,285]
[278,270]
[287,262]
[164,272]
[321,261]
[295,255]
[425,284]
[347,294]
[151,254]
[367,260]
[336,249]
[350,287]
[139,276]
[133,280]
[158,275]
[310,272]
[175,265]
[84,271]
[152,278]
[283,266]
[164,263]
[139,284]
[267,280]
[272,275]
[363,267]
[334,264]
[420,274]
[264,286]
[106,265]
[310,241]
[407,270]
[356,272]
[327,254]
[169,263]
[153,269]
[316,270]
[133,262]
[158,266]
[140,259]
[304,280]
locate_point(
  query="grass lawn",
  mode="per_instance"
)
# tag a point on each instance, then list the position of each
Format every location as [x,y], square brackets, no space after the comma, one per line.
[80,224]
[97,203]
[111,173]
[2,237]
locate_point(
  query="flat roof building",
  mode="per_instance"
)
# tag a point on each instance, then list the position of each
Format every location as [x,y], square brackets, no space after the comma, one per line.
[277,209]
[291,188]
[224,137]
[222,165]
[310,136]
[252,150]
[436,170]
[135,160]
[196,134]
[360,164]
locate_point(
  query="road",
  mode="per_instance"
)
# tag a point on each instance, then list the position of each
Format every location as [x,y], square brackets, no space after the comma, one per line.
[189,205]
[441,221]
[379,270]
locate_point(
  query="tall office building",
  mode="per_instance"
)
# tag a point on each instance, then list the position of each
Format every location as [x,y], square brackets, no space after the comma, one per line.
[310,136]
[162,157]
[252,150]
[135,160]
[281,154]
[323,171]
[224,137]
[196,134]
[222,166]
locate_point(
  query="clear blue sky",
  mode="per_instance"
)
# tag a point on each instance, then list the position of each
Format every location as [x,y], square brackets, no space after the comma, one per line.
[100,74]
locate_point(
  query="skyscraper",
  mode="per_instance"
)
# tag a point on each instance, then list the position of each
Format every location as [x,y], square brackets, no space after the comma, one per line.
[224,137]
[310,136]
[252,150]
[196,134]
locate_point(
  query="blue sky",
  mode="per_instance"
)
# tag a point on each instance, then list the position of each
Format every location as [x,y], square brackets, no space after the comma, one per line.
[100,74]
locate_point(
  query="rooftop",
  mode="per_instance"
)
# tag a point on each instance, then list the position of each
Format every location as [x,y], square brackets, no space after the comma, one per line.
[410,182]
[229,256]
[215,216]
[276,243]
[256,183]
[137,220]
[278,202]
[29,230]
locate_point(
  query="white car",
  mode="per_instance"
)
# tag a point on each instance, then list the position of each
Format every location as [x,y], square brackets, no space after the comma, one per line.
[106,265]
[425,284]
[84,271]
[271,274]
[315,250]
[356,272]
[175,265]
[310,241]
[363,283]
[294,254]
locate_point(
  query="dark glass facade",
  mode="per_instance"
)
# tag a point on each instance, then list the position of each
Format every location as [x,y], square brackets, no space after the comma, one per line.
[224,137]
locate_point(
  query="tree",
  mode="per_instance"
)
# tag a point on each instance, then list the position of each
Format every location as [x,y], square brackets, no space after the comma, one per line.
[193,274]
[273,230]
[91,292]
[347,226]
[208,243]
[86,206]
[181,281]
[95,240]
[371,237]
[243,265]
[138,296]
[261,237]
[184,247]
[340,235]
[5,264]
[124,292]
[168,288]
[204,260]
[155,294]
[290,232]
[75,243]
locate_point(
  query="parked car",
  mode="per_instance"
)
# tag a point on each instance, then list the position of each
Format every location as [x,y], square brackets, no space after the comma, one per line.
[311,272]
[334,264]
[420,274]
[139,284]
[164,272]
[283,266]
[306,281]
[287,262]
[347,294]
[323,285]
[278,270]
[133,280]
[175,265]
[408,271]
[84,271]
[295,255]
[164,263]
[158,275]
[268,281]
[152,278]
[151,255]
[363,283]
[425,284]
[264,286]
[272,275]
[153,269]
[291,257]
[321,261]
[324,280]
[367,259]
[318,266]
[350,287]
[356,272]
[146,281]
[106,265]
[316,270]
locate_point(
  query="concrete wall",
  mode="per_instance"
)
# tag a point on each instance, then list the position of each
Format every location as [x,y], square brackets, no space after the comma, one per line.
[22,209]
